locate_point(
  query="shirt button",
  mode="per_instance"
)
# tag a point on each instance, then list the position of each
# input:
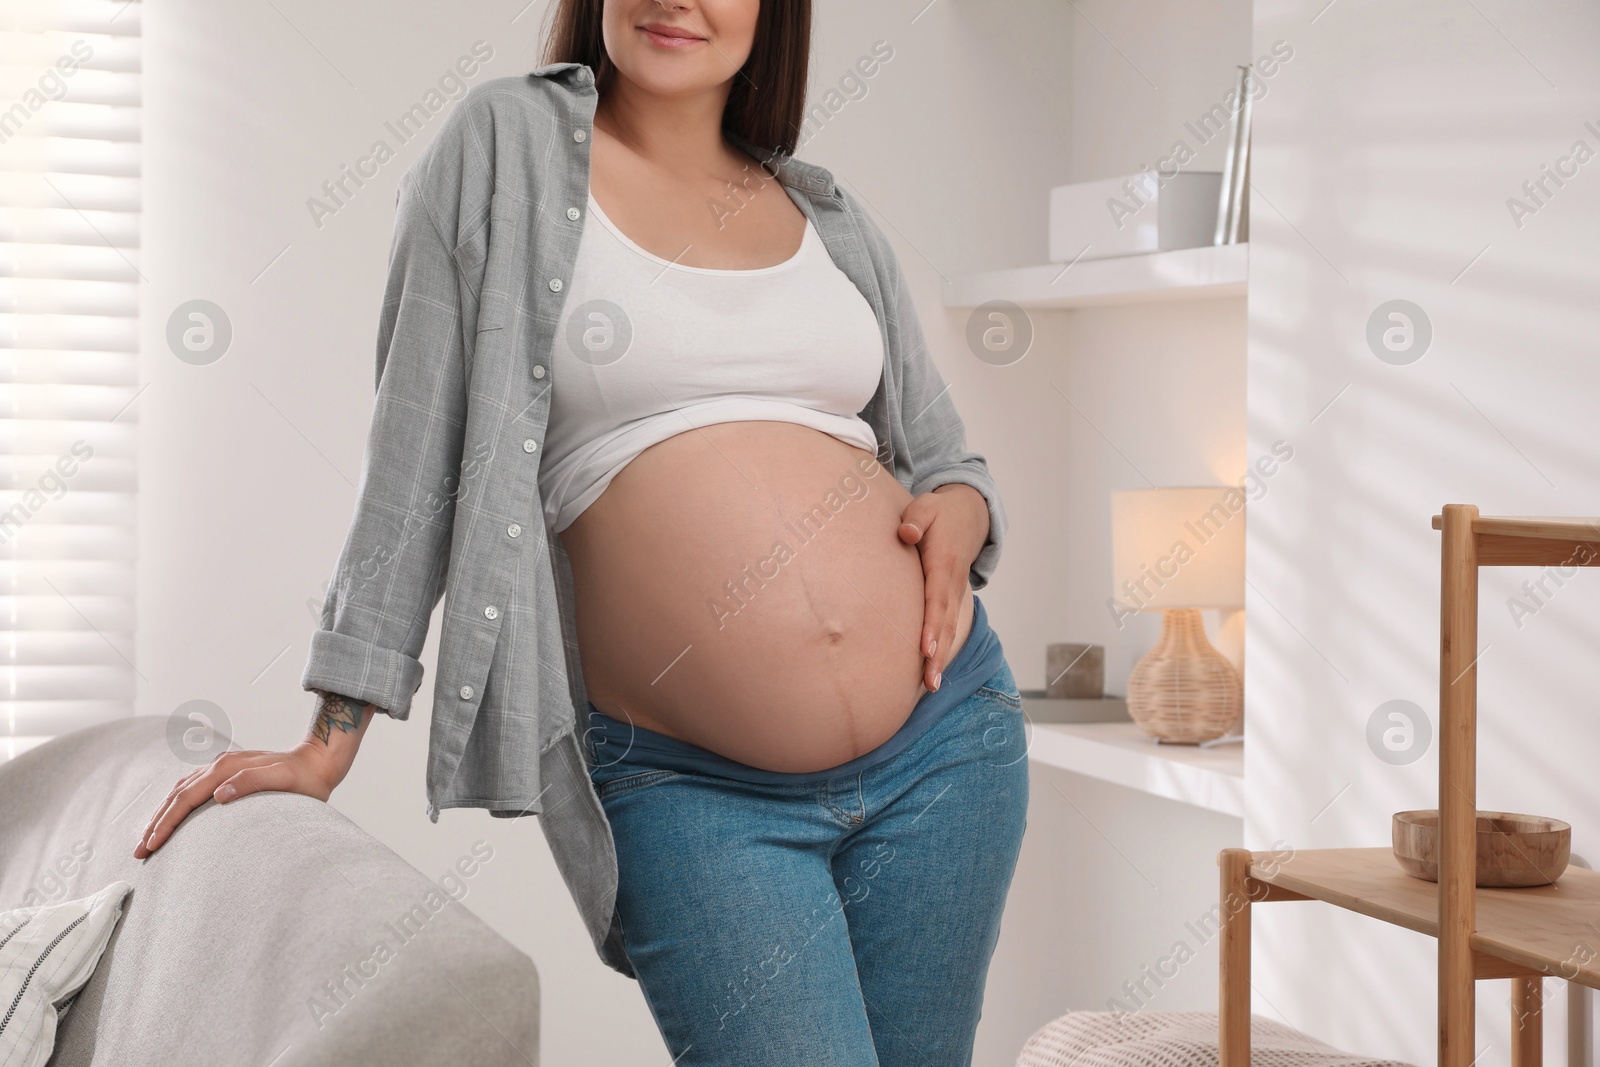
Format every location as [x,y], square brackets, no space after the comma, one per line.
[580,136]
[529,445]
[573,213]
[514,530]
[491,612]
[466,692]
[555,285]
[538,372]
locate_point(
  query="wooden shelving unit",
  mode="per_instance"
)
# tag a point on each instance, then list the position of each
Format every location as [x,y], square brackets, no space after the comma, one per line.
[1521,934]
[1186,274]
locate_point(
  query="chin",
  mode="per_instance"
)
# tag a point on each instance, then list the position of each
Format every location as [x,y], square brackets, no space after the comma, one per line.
[670,75]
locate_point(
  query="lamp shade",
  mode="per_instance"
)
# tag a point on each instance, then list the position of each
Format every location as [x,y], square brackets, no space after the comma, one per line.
[1178,548]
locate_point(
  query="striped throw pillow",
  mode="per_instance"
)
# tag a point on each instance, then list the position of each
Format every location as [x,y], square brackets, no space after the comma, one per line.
[47,953]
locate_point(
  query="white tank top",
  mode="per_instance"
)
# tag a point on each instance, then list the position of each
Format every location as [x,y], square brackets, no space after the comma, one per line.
[648,349]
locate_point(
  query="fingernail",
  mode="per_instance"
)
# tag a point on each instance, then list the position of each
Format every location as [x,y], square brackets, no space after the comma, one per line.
[225,793]
[937,677]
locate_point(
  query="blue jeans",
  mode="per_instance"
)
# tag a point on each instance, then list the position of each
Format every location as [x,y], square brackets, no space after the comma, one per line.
[847,922]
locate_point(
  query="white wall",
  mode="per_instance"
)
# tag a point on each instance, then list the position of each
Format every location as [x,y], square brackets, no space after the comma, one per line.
[1387,151]
[248,466]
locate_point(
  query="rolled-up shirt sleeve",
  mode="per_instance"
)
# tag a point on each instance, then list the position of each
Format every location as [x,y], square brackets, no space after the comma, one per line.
[391,571]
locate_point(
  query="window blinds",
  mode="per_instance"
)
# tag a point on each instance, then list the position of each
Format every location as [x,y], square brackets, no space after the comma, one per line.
[69,304]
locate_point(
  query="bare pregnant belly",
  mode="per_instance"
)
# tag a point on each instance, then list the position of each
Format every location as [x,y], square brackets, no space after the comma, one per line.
[743,587]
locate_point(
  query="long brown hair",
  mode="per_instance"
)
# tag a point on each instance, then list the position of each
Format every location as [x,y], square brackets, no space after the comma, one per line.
[767,102]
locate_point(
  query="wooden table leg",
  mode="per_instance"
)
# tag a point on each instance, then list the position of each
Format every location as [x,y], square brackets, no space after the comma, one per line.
[1527,1022]
[1233,1039]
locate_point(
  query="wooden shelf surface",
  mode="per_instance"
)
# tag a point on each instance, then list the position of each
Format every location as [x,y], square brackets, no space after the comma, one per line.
[1550,528]
[1534,541]
[1554,929]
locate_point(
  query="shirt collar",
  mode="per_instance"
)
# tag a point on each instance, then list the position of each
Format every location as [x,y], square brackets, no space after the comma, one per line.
[808,177]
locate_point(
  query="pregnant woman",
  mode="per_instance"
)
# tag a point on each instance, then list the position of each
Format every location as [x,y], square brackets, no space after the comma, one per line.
[802,732]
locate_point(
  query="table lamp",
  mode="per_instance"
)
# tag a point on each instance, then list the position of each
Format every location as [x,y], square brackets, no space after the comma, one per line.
[1177,551]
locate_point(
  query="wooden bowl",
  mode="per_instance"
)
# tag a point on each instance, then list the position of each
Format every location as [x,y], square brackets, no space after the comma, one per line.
[1513,850]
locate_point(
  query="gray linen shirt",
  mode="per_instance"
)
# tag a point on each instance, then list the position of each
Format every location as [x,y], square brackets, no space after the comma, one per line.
[488,220]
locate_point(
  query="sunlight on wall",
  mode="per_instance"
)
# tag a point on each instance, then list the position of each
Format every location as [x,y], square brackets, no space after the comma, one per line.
[1383,163]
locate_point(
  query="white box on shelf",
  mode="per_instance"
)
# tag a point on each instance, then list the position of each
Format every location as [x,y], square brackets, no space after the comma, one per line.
[1144,212]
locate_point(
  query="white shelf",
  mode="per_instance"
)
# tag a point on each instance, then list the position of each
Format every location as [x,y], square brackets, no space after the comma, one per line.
[1187,274]
[1119,752]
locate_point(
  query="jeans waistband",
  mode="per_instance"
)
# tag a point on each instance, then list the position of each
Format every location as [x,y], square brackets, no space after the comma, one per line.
[980,657]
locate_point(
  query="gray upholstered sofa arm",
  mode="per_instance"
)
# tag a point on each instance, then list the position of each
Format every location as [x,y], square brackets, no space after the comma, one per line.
[268,931]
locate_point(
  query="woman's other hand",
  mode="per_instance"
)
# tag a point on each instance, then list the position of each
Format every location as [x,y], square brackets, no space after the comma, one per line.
[313,767]
[949,527]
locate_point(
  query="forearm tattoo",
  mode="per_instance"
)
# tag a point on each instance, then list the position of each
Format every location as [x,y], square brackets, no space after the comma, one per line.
[335,712]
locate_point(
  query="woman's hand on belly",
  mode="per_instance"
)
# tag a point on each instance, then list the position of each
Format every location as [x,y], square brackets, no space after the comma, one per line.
[949,527]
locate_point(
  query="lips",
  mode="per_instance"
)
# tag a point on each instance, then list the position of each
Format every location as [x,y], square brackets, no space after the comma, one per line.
[664,36]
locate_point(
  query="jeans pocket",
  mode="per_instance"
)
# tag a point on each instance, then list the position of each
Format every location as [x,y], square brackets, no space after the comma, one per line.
[1011,696]
[1004,731]
[1002,686]
[632,782]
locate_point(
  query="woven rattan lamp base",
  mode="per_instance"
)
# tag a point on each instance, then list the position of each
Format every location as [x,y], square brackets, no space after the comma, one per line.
[1184,690]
